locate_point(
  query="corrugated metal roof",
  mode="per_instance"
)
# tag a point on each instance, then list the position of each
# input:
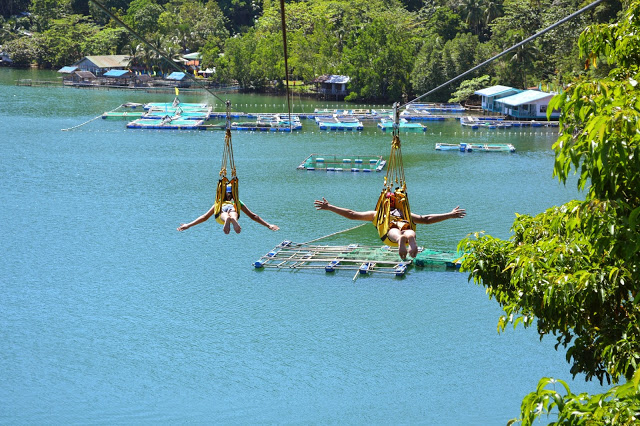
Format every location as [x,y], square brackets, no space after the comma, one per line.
[337,79]
[85,74]
[109,61]
[116,73]
[494,90]
[526,97]
[67,70]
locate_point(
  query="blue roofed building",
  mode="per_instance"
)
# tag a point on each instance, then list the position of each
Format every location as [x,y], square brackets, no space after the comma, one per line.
[528,104]
[330,85]
[491,94]
[99,65]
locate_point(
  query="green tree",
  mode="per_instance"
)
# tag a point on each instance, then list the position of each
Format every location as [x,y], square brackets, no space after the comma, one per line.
[45,11]
[467,88]
[65,41]
[574,269]
[24,51]
[379,61]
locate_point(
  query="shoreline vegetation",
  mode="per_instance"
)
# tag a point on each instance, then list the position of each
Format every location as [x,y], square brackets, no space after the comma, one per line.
[391,51]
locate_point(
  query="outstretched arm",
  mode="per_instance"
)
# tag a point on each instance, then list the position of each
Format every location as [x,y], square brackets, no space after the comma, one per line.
[434,218]
[201,219]
[258,219]
[348,213]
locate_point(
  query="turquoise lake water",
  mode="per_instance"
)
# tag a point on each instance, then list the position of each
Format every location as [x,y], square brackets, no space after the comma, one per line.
[112,316]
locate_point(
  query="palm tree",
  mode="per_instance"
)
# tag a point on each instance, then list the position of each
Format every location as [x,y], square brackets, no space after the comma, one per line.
[472,12]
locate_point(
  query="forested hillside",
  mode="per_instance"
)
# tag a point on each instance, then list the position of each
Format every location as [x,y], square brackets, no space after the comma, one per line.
[391,49]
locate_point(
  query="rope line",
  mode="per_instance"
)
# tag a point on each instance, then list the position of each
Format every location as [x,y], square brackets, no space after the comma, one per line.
[335,233]
[87,122]
[515,46]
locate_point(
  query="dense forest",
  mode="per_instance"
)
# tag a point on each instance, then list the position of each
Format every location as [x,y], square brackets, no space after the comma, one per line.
[391,49]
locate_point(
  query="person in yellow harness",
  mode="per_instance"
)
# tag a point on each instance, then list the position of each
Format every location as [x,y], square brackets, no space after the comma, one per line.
[229,216]
[400,230]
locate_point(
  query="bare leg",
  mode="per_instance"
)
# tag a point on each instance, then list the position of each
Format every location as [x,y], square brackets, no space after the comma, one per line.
[396,236]
[227,222]
[411,239]
[233,217]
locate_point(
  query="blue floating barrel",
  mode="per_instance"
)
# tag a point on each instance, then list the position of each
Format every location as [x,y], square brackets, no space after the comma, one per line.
[355,169]
[366,170]
[331,266]
[373,161]
[346,160]
[358,160]
[259,263]
[364,268]
[319,160]
[331,169]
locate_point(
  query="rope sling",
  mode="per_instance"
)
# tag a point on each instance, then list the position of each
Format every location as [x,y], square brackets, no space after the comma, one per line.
[221,190]
[384,220]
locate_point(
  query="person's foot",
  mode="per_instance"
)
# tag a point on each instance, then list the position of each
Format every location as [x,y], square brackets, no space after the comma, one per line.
[236,226]
[402,249]
[413,248]
[227,226]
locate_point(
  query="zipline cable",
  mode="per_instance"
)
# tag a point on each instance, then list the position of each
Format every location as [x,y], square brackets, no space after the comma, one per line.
[515,46]
[155,49]
[286,65]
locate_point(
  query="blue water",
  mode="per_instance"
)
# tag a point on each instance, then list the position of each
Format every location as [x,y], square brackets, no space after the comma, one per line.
[109,315]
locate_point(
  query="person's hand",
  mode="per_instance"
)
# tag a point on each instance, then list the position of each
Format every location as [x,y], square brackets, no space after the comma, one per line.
[182,227]
[274,227]
[321,205]
[458,212]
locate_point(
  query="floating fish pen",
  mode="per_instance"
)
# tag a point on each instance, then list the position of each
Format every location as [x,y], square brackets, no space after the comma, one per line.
[166,124]
[334,163]
[120,115]
[168,105]
[186,114]
[437,107]
[404,126]
[468,147]
[356,258]
[342,124]
[502,123]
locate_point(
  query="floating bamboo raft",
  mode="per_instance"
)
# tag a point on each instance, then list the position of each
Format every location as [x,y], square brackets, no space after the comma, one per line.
[355,258]
[335,163]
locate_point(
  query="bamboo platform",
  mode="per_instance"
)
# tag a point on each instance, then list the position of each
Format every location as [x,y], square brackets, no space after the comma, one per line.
[362,260]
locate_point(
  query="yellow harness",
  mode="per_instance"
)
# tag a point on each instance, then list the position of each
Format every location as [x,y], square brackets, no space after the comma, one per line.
[383,220]
[221,190]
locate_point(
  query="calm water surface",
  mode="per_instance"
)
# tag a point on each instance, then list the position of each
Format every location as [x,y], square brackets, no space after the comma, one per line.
[112,316]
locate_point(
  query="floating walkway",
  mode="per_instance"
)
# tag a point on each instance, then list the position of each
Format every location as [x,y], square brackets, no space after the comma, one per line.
[335,163]
[502,123]
[166,124]
[362,260]
[404,125]
[468,147]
